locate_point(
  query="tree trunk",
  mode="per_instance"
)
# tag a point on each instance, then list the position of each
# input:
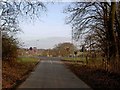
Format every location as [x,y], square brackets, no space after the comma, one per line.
[112,36]
[111,32]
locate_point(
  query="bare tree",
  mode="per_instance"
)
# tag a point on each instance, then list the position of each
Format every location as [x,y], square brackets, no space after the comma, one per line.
[98,24]
[11,10]
[64,49]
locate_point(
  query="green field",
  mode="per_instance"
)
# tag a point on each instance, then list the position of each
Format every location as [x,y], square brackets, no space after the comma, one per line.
[75,58]
[96,61]
[28,59]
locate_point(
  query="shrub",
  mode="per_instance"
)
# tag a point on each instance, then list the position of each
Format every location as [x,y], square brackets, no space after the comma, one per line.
[9,48]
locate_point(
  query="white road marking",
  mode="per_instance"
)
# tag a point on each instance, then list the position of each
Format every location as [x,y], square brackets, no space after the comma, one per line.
[50,61]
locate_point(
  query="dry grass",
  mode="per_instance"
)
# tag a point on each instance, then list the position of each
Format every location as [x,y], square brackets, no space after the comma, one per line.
[15,72]
[96,78]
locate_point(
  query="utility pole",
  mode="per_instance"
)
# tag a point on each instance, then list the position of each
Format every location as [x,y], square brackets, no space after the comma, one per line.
[72,39]
[0,57]
[0,45]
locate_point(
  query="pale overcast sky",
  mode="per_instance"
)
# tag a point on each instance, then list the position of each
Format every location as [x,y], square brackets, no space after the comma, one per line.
[51,26]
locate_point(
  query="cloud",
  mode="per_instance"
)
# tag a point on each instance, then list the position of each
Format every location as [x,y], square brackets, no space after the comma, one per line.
[46,43]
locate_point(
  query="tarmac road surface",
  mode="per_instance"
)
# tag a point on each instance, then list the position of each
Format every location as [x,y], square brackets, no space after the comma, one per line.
[51,73]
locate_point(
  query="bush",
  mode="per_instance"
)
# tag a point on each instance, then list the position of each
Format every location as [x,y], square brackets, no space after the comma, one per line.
[9,48]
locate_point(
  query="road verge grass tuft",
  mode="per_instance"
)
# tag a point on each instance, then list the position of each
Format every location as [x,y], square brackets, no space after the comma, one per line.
[16,72]
[95,78]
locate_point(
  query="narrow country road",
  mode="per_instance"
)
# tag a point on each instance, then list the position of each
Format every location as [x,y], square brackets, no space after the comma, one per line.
[51,73]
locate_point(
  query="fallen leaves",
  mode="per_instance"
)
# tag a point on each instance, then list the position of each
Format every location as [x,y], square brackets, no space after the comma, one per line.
[96,78]
[14,72]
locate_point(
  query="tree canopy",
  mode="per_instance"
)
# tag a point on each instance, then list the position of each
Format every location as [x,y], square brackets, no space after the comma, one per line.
[97,23]
[10,11]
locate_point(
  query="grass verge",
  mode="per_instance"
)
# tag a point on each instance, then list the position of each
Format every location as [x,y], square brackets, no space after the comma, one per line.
[13,73]
[95,78]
